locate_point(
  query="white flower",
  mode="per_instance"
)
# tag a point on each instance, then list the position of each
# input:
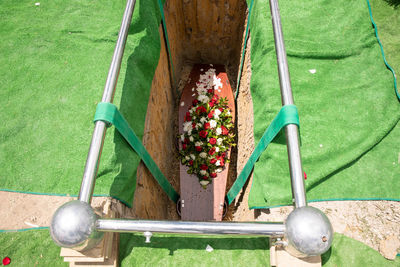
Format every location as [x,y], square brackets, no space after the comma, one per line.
[203,172]
[182,137]
[218,170]
[187,158]
[191,111]
[190,131]
[218,163]
[217,82]
[203,98]
[187,126]
[191,138]
[217,111]
[193,156]
[217,149]
[198,143]
[228,112]
[198,125]
[203,119]
[194,117]
[204,182]
[219,141]
[182,104]
[203,155]
[213,123]
[219,131]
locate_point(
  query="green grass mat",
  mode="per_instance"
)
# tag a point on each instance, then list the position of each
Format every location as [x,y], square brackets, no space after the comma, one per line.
[30,248]
[346,107]
[53,65]
[35,248]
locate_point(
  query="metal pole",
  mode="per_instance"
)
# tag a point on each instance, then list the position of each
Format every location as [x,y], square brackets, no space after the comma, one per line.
[96,145]
[291,130]
[184,227]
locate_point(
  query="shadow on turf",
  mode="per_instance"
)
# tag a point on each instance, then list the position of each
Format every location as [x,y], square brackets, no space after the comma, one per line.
[394,3]
[128,242]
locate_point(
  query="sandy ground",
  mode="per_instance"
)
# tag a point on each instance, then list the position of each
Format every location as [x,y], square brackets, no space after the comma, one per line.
[375,223]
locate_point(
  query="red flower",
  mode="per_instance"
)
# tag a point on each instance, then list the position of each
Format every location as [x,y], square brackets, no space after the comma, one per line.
[221,109]
[186,141]
[206,126]
[221,160]
[213,141]
[223,155]
[187,117]
[205,177]
[203,167]
[190,162]
[211,104]
[6,261]
[210,91]
[203,134]
[211,151]
[211,114]
[212,161]
[195,102]
[193,125]
[201,109]
[224,130]
[183,146]
[198,148]
[305,176]
[213,175]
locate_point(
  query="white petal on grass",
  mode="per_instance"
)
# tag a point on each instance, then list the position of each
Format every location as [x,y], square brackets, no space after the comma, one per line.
[312,71]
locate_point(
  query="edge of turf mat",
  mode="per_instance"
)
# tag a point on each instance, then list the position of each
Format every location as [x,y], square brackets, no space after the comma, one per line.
[63,195]
[383,52]
[331,199]
[24,229]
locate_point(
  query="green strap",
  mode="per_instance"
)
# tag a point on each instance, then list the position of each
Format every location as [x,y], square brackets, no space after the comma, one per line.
[109,113]
[161,7]
[287,115]
[244,49]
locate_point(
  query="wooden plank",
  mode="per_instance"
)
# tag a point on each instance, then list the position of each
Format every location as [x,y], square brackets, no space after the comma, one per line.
[104,254]
[282,258]
[111,261]
[198,204]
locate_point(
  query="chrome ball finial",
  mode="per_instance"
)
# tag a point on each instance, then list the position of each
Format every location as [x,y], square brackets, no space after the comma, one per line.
[74,226]
[308,232]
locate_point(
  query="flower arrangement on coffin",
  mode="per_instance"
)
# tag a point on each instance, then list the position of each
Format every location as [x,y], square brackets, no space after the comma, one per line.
[207,131]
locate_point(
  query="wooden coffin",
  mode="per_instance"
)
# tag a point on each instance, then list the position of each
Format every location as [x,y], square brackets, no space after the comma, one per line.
[197,203]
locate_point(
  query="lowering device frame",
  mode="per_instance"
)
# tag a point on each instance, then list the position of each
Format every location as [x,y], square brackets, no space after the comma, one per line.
[306,231]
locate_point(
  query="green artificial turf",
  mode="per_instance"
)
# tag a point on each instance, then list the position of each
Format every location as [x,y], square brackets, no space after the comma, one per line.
[347,108]
[53,66]
[35,248]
